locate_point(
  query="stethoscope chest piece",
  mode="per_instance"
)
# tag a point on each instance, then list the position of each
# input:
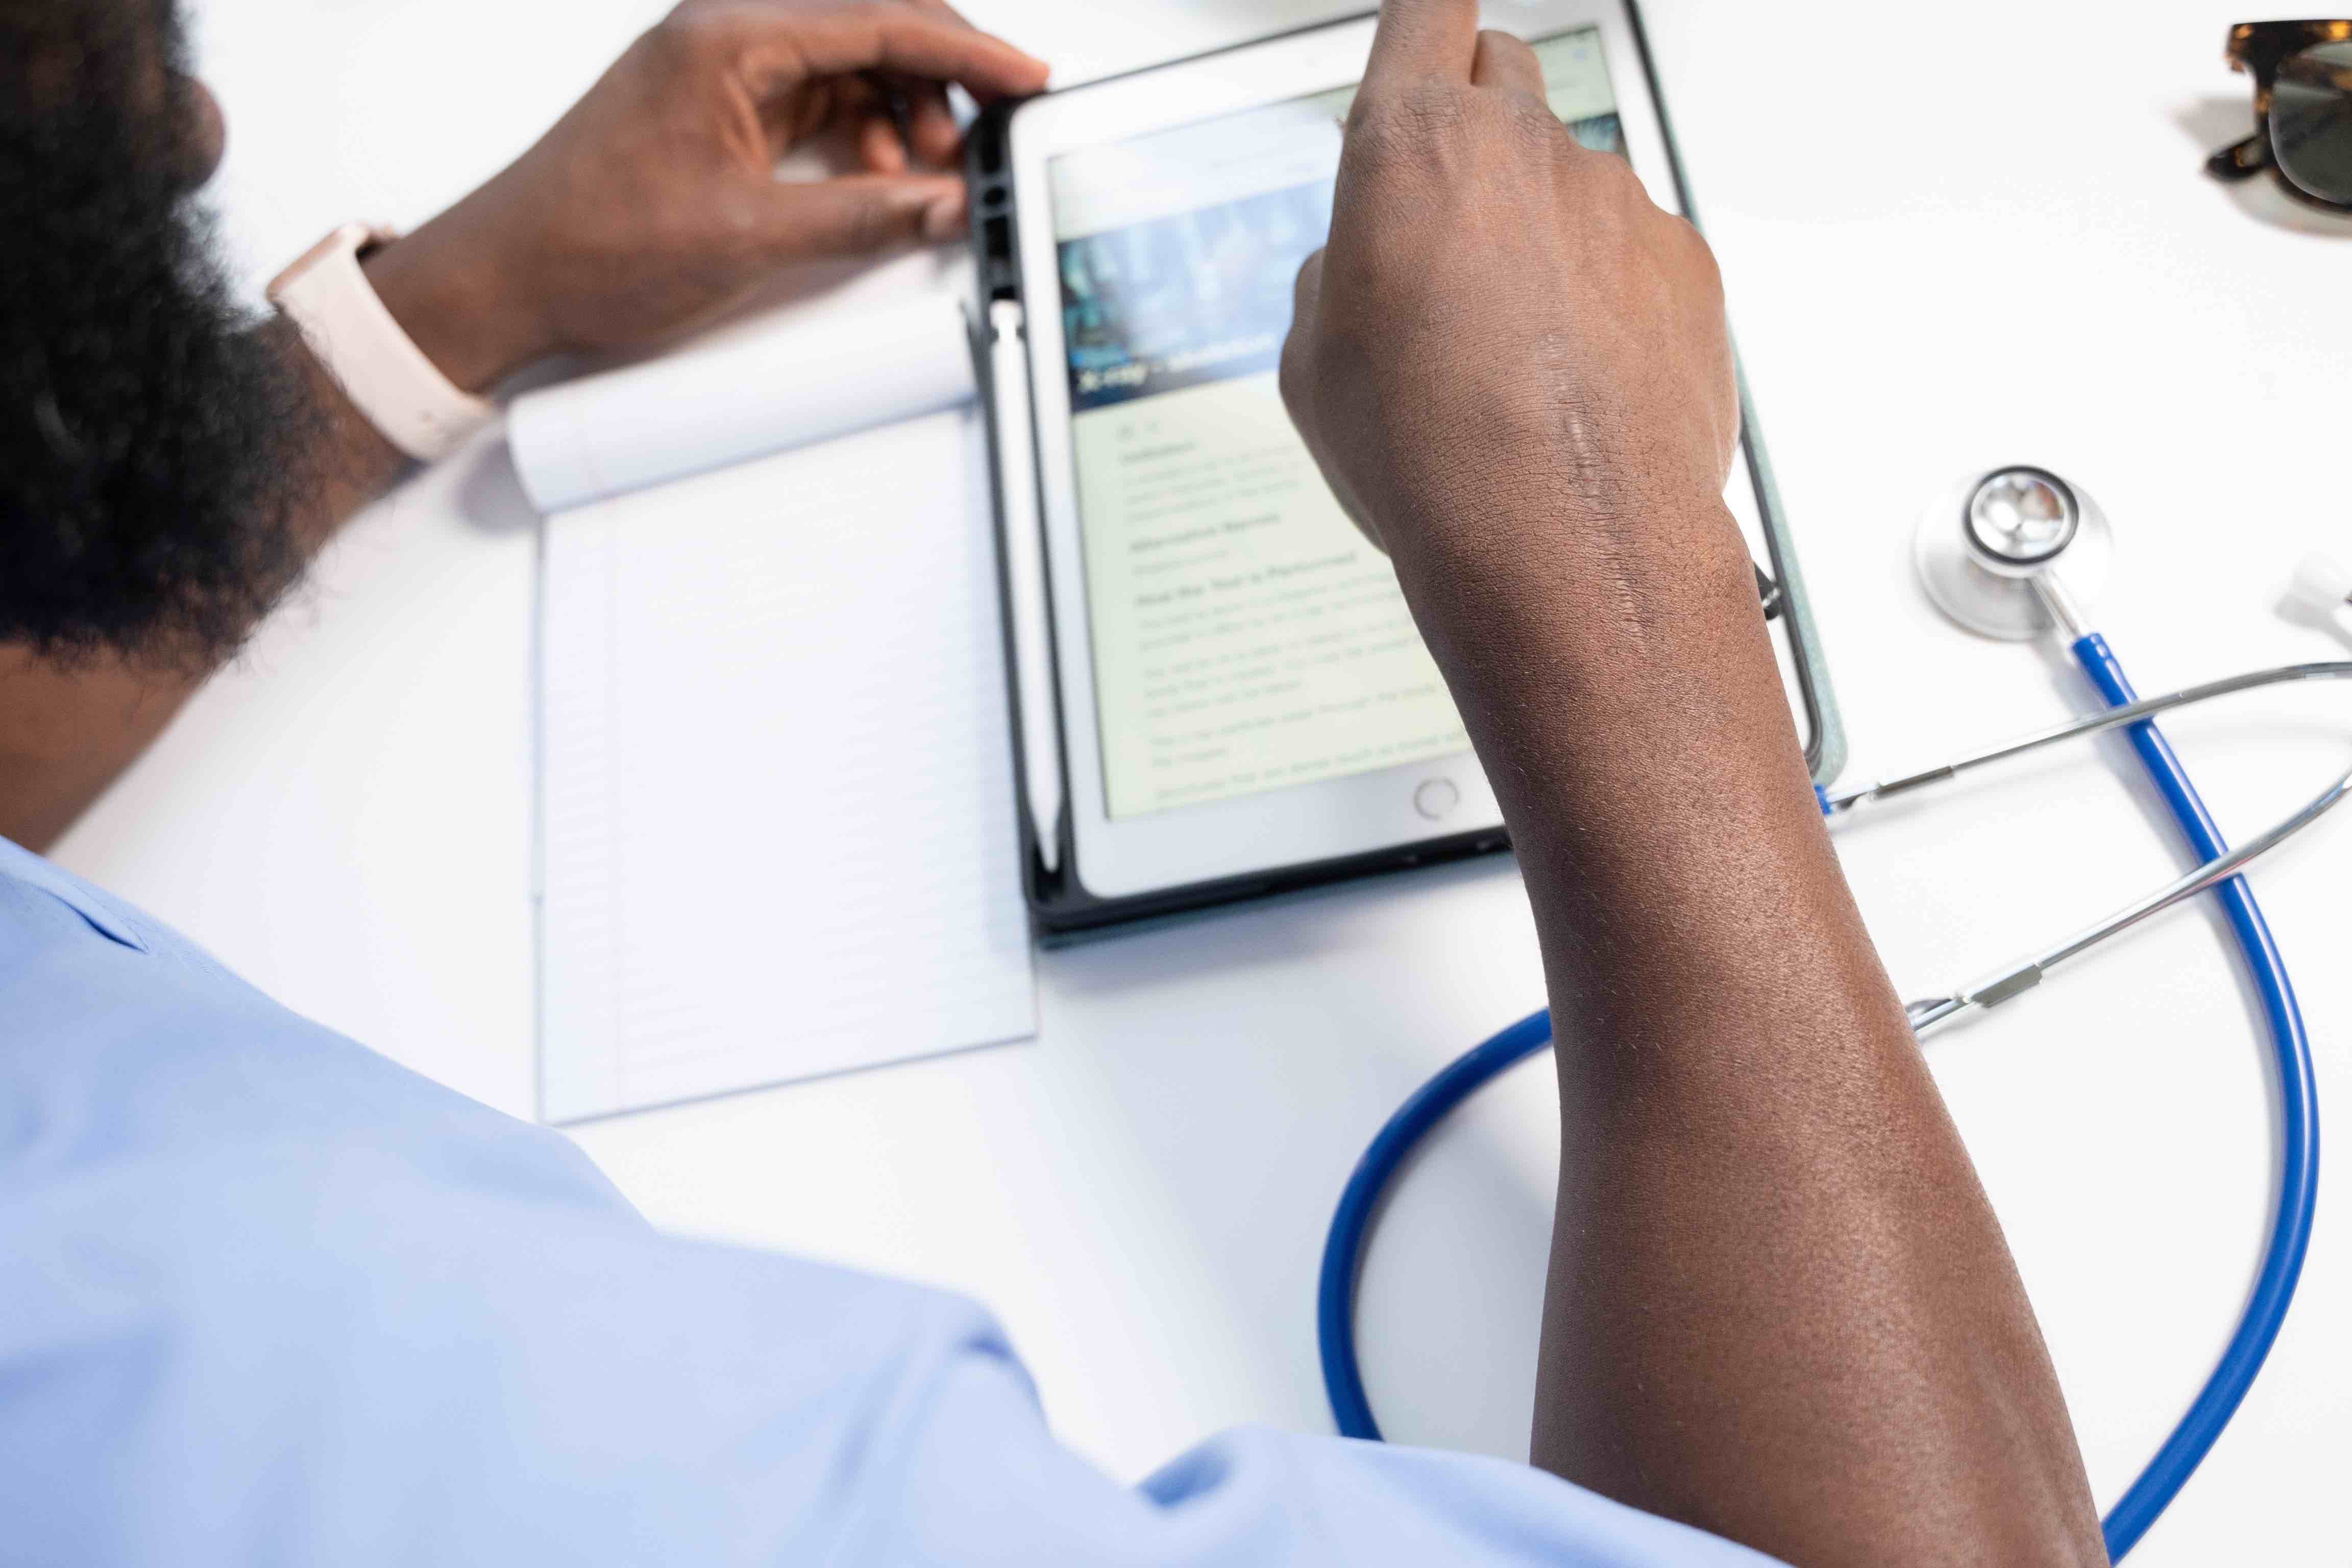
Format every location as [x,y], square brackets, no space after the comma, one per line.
[1986,539]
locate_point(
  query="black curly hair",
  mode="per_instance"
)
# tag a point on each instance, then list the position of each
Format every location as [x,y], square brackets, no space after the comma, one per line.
[152,435]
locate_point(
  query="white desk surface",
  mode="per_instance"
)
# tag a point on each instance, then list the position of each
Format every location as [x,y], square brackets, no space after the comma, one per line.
[1951,239]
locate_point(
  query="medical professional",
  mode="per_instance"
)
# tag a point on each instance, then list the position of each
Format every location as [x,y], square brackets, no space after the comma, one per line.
[266,1297]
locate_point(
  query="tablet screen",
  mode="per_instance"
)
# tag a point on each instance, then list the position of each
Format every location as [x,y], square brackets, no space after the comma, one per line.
[1245,636]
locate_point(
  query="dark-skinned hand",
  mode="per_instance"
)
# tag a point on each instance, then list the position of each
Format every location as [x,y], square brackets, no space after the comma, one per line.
[1500,310]
[652,204]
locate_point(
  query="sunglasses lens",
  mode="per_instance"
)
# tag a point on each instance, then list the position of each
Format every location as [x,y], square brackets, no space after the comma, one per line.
[2311,121]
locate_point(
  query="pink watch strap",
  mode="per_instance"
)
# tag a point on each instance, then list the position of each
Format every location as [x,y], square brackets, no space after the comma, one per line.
[387,377]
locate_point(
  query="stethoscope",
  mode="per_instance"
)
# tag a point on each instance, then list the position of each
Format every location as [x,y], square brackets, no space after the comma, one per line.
[2014,554]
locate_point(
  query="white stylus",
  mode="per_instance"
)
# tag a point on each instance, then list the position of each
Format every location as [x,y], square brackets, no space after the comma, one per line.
[1025,575]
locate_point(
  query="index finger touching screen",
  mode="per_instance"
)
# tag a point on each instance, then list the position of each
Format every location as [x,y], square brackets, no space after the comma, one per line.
[1423,39]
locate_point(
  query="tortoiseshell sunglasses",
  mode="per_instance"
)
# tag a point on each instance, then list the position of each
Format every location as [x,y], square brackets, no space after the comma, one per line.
[2303,110]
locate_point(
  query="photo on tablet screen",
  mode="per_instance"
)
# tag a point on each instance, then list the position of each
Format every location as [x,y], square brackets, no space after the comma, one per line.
[1246,637]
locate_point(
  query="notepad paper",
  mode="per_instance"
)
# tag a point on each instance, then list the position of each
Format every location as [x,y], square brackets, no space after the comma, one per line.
[778,833]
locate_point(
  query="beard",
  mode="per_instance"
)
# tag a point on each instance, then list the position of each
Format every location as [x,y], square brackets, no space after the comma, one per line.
[153,437]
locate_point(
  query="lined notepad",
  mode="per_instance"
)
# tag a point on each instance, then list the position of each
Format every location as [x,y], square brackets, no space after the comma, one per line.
[778,836]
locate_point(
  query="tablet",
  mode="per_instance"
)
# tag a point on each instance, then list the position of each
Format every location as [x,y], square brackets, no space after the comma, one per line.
[1243,700]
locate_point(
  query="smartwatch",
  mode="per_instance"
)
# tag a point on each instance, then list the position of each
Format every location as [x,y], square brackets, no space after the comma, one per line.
[387,377]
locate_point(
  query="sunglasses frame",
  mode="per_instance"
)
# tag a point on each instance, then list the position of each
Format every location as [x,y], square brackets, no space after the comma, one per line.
[2260,48]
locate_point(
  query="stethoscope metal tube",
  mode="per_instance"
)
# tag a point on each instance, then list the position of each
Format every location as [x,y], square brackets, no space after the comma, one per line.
[1999,986]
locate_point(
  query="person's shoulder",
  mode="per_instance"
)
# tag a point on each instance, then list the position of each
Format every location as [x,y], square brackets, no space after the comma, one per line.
[260,1270]
[1391,1502]
[134,1061]
[41,902]
[61,935]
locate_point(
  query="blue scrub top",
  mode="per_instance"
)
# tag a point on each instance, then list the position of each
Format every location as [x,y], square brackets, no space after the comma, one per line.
[266,1297]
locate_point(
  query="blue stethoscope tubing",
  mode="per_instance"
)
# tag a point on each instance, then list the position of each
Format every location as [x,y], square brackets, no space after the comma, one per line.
[2274,1282]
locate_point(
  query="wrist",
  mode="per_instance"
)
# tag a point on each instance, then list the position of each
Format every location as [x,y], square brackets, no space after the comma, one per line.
[1546,571]
[451,296]
[1603,663]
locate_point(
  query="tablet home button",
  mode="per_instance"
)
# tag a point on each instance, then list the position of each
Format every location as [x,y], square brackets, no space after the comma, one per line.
[1436,798]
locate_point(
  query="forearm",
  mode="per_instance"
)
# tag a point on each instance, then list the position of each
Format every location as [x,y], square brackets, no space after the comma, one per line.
[1779,1305]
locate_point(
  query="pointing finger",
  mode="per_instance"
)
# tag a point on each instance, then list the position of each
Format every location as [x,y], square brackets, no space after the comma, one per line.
[1419,39]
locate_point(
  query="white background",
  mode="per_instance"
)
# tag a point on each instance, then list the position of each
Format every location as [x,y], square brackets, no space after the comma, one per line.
[1952,237]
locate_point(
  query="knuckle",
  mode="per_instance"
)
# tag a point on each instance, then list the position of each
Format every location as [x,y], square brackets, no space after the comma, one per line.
[1525,121]
[1612,199]
[1615,177]
[1416,117]
[1698,258]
